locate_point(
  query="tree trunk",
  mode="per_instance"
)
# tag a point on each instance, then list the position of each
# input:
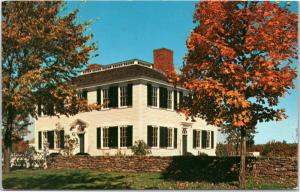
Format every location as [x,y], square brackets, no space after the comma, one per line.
[6,159]
[7,141]
[242,176]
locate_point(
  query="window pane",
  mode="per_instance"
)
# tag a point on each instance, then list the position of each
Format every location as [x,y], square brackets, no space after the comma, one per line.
[154,96]
[123,96]
[105,137]
[170,137]
[154,141]
[169,100]
[123,135]
[105,98]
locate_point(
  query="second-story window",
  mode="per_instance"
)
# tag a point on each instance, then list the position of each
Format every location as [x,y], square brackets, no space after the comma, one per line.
[123,96]
[105,98]
[169,100]
[154,96]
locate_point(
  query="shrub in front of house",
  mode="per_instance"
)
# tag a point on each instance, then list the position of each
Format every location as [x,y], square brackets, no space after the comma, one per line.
[140,148]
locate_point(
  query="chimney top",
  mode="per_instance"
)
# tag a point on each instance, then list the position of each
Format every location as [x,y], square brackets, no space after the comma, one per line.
[163,60]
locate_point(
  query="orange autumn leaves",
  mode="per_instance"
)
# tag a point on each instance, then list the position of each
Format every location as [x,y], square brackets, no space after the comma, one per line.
[239,62]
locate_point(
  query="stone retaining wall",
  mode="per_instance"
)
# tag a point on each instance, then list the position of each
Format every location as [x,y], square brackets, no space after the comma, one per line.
[182,167]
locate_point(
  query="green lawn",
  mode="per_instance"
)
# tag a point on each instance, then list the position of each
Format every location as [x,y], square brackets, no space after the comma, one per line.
[88,179]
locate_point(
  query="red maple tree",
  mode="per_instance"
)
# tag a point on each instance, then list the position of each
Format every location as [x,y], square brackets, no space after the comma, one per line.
[238,65]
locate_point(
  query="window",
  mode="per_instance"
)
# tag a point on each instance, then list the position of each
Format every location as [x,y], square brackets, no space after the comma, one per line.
[105,98]
[155,136]
[60,135]
[154,96]
[152,136]
[123,96]
[40,140]
[205,139]
[50,139]
[113,137]
[208,139]
[105,137]
[170,137]
[169,102]
[198,139]
[123,135]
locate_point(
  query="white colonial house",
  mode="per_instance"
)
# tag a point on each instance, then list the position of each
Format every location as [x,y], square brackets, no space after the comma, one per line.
[137,104]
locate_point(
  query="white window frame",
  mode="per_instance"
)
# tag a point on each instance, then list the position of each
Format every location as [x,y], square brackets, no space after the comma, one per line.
[198,139]
[123,96]
[208,139]
[170,138]
[169,99]
[104,98]
[105,135]
[123,136]
[154,96]
[155,137]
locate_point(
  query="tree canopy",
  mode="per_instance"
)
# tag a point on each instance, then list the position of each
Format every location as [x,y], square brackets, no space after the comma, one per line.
[42,50]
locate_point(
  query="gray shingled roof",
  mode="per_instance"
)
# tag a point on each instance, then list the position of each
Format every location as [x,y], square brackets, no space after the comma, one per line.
[125,72]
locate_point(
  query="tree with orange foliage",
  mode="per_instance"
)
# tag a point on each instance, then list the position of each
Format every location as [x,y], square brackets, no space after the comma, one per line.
[238,65]
[42,50]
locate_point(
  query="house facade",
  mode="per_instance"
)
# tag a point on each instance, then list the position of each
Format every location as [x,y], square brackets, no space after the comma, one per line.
[137,103]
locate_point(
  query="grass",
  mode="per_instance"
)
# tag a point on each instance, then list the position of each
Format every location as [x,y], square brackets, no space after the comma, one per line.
[96,179]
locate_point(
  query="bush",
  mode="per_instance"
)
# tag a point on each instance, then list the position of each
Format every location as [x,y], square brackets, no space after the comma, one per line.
[221,150]
[279,149]
[188,154]
[140,148]
[202,154]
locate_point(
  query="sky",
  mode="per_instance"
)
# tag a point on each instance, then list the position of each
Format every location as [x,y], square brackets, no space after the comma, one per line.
[126,30]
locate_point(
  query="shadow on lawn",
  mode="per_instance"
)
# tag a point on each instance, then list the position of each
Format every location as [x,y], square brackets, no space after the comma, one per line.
[203,168]
[66,180]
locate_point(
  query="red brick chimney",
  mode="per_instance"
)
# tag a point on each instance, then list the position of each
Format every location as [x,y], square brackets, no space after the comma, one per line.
[163,60]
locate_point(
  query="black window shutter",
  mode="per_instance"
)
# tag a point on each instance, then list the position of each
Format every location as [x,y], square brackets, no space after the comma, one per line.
[40,140]
[203,139]
[149,94]
[50,137]
[129,94]
[194,138]
[163,97]
[129,136]
[212,139]
[110,97]
[98,138]
[113,96]
[175,100]
[84,94]
[98,96]
[163,140]
[161,137]
[180,98]
[175,138]
[113,137]
[149,136]
[62,139]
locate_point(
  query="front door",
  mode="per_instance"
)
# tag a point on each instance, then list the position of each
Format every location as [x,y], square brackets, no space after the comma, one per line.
[81,143]
[184,141]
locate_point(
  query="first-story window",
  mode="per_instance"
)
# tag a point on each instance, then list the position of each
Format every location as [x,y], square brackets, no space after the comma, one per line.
[50,139]
[111,139]
[105,98]
[123,96]
[39,140]
[60,139]
[170,137]
[105,137]
[198,138]
[123,135]
[152,136]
